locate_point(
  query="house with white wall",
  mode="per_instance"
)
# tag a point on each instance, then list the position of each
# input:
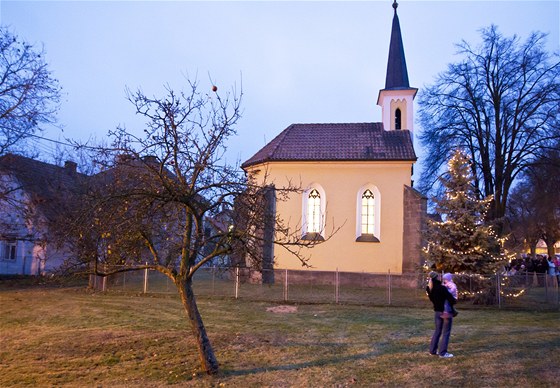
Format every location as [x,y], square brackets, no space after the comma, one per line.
[32,194]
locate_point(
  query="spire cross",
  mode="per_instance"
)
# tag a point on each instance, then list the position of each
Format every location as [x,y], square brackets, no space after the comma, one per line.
[395,5]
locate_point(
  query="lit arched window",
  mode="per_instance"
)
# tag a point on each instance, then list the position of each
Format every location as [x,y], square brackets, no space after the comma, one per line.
[398,115]
[314,207]
[314,212]
[368,209]
[368,212]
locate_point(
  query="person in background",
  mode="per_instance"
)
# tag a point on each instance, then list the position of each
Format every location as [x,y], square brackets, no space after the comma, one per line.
[557,263]
[438,294]
[551,266]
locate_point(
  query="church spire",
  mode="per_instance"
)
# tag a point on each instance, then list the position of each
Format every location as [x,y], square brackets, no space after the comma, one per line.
[396,100]
[397,76]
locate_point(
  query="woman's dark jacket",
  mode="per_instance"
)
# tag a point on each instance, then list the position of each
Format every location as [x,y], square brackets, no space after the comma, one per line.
[438,295]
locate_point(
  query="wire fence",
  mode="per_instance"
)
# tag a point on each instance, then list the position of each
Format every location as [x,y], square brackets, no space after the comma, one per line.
[523,290]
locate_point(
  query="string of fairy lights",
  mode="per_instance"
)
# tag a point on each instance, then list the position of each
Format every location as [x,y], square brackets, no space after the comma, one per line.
[502,278]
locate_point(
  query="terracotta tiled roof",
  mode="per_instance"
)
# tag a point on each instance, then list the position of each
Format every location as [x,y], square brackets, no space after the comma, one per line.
[336,142]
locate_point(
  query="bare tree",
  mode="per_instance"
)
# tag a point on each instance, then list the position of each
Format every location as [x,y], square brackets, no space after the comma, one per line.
[522,221]
[498,103]
[170,204]
[29,95]
[535,210]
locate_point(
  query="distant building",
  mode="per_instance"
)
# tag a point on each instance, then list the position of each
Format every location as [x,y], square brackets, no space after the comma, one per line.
[32,193]
[38,199]
[356,177]
[542,248]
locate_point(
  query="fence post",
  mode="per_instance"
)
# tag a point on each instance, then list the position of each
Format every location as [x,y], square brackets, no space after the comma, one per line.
[104,284]
[146,280]
[236,282]
[336,286]
[498,290]
[557,290]
[545,277]
[213,280]
[286,286]
[535,279]
[389,287]
[556,285]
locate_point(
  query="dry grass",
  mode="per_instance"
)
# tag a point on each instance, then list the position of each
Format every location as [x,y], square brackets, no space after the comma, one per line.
[68,337]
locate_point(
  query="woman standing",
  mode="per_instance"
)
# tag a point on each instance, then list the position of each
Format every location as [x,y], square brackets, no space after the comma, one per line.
[438,294]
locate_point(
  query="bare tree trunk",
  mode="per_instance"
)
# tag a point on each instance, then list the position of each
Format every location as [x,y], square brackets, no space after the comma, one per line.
[533,249]
[207,358]
[550,247]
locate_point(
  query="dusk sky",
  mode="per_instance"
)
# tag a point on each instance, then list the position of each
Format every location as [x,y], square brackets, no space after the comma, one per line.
[299,62]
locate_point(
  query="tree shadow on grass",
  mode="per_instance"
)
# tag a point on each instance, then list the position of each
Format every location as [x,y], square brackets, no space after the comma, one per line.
[301,365]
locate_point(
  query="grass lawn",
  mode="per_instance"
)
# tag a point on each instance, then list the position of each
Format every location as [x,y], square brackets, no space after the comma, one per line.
[69,337]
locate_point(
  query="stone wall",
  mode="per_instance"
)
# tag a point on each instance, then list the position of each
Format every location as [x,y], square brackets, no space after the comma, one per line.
[415,214]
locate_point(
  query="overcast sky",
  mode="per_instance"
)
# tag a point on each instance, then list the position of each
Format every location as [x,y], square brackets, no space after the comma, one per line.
[298,61]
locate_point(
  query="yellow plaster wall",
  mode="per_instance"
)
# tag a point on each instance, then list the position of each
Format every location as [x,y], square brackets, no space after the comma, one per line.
[341,182]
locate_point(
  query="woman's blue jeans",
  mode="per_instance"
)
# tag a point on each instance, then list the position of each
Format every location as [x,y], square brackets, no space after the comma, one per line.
[443,330]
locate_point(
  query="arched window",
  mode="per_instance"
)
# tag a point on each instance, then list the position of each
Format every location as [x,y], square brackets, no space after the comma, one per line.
[313,213]
[398,122]
[368,214]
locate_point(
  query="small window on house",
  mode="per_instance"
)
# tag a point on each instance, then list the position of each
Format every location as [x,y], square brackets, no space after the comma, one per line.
[398,114]
[9,250]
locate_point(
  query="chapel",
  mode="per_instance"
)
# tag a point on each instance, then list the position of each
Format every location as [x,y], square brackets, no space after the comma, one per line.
[355,180]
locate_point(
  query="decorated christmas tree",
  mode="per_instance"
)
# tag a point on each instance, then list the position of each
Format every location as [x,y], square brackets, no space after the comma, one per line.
[461,242]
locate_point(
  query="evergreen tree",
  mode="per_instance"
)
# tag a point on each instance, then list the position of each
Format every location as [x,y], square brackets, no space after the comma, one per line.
[461,241]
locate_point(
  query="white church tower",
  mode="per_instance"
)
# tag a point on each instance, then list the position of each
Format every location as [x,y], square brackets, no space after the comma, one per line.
[396,100]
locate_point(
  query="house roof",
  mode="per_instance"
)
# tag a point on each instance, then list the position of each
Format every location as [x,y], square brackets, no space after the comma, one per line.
[397,75]
[336,142]
[47,185]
